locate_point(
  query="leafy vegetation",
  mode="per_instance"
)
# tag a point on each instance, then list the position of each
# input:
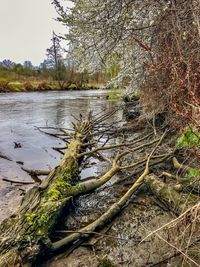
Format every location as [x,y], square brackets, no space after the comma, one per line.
[189,138]
[192,173]
[115,94]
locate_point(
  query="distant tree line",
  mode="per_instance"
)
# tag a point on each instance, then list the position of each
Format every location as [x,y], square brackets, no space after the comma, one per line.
[58,67]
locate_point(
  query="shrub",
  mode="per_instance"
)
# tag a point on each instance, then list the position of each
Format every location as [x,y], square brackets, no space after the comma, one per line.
[4,85]
[28,86]
[72,86]
[16,86]
[44,86]
[115,94]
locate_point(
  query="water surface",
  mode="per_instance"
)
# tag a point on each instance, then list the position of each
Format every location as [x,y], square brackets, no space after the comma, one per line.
[21,112]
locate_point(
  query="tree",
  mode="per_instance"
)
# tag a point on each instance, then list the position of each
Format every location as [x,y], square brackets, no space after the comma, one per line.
[107,29]
[28,64]
[55,60]
[8,64]
[155,43]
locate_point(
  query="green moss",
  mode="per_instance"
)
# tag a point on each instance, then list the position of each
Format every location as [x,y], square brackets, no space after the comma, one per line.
[62,184]
[54,194]
[29,217]
[43,219]
[134,94]
[190,138]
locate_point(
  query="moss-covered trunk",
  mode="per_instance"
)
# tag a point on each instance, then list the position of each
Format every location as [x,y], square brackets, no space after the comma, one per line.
[25,235]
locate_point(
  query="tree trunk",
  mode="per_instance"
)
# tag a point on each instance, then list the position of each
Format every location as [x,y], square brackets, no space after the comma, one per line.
[168,196]
[25,235]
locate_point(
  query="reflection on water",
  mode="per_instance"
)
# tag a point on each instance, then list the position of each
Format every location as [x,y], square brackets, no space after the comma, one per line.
[20,112]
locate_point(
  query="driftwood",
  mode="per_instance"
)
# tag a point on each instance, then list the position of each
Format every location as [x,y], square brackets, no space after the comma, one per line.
[190,182]
[175,201]
[5,157]
[26,234]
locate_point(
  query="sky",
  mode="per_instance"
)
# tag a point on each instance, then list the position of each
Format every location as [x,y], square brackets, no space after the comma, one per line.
[26,28]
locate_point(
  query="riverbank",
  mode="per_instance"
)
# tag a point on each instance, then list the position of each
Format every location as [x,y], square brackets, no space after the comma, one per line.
[122,242]
[36,86]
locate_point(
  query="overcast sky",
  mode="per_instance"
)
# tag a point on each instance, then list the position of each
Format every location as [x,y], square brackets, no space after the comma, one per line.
[26,28]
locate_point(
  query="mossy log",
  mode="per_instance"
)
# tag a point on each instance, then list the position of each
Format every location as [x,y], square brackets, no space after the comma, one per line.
[25,234]
[168,196]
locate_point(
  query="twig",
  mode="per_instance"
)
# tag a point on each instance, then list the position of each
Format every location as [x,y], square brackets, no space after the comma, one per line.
[119,145]
[96,233]
[179,250]
[5,157]
[36,172]
[16,182]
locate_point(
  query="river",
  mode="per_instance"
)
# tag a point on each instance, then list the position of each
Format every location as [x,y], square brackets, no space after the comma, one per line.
[19,114]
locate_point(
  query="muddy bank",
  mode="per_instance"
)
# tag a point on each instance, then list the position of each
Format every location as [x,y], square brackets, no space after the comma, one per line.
[121,246]
[17,87]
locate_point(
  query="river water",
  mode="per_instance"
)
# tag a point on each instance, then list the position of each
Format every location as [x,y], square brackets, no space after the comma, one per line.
[19,114]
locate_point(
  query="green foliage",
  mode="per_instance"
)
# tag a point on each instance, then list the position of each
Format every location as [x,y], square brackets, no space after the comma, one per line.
[192,173]
[115,94]
[72,86]
[16,86]
[190,138]
[7,75]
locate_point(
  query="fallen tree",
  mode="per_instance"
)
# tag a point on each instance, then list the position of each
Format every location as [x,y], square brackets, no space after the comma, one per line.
[25,235]
[111,212]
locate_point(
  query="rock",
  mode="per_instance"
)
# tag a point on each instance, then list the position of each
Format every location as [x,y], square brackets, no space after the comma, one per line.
[17,145]
[132,114]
